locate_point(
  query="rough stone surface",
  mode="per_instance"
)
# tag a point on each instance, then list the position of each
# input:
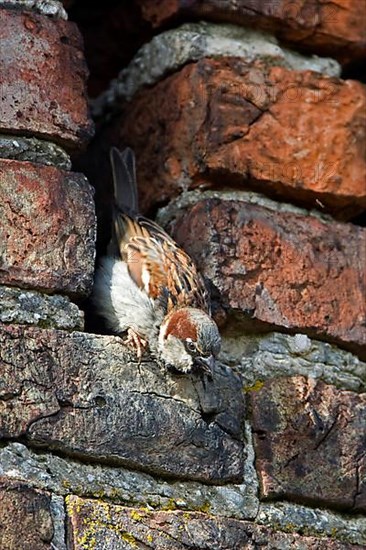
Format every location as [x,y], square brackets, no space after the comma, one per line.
[84,395]
[43,79]
[279,268]
[188,199]
[65,476]
[34,150]
[173,49]
[52,8]
[59,523]
[96,525]
[310,443]
[230,123]
[32,308]
[334,28]
[47,230]
[25,517]
[315,521]
[260,357]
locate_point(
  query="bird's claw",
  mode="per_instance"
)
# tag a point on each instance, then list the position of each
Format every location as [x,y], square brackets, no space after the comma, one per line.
[136,342]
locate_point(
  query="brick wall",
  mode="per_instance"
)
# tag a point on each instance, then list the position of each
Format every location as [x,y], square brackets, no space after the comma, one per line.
[250,145]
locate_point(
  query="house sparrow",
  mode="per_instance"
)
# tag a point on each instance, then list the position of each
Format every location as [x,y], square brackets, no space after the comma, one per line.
[149,287]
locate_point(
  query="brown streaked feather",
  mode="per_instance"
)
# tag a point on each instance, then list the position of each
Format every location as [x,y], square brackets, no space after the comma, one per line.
[157,265]
[155,262]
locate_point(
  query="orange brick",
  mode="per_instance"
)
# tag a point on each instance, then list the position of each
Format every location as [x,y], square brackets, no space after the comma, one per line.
[43,79]
[284,270]
[327,28]
[294,135]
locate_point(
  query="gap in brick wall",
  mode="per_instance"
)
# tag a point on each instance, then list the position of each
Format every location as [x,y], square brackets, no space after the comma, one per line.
[354,71]
[360,220]
[113,31]
[237,325]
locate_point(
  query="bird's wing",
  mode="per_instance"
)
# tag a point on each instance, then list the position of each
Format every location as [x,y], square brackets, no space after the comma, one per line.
[157,264]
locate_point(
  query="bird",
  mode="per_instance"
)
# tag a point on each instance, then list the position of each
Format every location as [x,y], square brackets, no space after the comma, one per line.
[148,288]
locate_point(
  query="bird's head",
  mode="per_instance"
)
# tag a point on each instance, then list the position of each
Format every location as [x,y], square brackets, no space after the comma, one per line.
[189,339]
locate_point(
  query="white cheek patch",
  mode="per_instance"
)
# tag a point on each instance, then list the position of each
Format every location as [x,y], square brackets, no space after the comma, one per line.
[173,352]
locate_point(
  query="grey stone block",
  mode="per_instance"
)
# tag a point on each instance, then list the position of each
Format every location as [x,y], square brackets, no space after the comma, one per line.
[85,395]
[28,307]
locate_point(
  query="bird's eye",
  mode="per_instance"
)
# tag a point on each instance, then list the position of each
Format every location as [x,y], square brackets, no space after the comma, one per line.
[191,346]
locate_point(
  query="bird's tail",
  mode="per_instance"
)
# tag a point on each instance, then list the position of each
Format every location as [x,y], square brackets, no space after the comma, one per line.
[124,179]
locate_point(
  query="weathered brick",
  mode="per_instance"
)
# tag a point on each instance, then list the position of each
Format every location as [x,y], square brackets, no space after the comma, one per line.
[296,135]
[113,527]
[84,395]
[25,517]
[330,28]
[43,79]
[310,443]
[47,228]
[281,268]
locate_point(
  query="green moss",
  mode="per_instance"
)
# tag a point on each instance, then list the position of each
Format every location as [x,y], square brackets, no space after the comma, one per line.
[170,505]
[205,508]
[145,510]
[87,541]
[258,385]
[135,515]
[128,538]
[72,505]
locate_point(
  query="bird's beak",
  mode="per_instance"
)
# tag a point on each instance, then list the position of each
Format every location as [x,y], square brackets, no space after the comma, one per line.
[206,363]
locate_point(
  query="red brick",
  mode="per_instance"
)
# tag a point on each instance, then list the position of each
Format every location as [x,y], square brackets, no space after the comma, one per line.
[43,79]
[286,270]
[329,28]
[25,517]
[295,135]
[47,228]
[310,443]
